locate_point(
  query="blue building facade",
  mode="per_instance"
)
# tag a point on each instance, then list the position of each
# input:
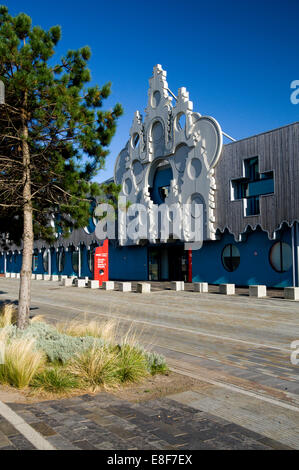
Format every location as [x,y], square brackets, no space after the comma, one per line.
[248,190]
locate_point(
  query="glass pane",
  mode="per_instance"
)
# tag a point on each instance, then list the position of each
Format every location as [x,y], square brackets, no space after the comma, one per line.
[287,258]
[235,251]
[75,261]
[275,257]
[226,251]
[45,260]
[231,258]
[154,266]
[90,257]
[60,257]
[34,262]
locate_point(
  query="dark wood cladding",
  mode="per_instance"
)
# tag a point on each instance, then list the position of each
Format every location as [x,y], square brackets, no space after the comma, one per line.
[278,150]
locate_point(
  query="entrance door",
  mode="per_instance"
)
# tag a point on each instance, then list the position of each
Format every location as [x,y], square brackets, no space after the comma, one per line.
[154,265]
[168,264]
[178,264]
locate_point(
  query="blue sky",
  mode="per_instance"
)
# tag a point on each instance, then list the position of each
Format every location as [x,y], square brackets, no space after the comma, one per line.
[237,59]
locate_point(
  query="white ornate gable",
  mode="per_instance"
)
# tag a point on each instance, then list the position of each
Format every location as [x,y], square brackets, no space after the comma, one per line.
[190,143]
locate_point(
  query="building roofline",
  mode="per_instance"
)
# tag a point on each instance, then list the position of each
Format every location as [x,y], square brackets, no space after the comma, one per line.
[262,133]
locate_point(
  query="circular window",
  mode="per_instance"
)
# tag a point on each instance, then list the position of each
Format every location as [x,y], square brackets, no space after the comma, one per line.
[230,258]
[46,260]
[60,260]
[281,257]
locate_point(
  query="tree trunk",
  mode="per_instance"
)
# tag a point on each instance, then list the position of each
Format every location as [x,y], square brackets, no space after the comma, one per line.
[26,271]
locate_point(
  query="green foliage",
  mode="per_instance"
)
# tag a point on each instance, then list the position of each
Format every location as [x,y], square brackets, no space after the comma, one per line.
[95,366]
[57,347]
[7,315]
[132,364]
[68,131]
[56,380]
[74,362]
[156,363]
[21,362]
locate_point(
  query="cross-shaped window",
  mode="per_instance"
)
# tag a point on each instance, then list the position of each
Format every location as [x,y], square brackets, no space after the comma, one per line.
[251,186]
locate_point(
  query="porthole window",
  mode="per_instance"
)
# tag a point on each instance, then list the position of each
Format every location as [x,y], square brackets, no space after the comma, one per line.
[281,257]
[60,259]
[45,260]
[230,257]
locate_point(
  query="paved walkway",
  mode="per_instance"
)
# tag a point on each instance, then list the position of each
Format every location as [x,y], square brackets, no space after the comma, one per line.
[238,347]
[107,423]
[11,439]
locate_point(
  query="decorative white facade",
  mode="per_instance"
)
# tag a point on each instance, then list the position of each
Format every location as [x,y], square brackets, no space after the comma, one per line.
[171,133]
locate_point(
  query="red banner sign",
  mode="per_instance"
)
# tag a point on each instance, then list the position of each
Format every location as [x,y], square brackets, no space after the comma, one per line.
[101,263]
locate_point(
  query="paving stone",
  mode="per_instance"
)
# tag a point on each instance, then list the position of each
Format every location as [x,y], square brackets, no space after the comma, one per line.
[160,445]
[21,443]
[84,445]
[7,429]
[273,444]
[67,433]
[108,423]
[3,440]
[60,443]
[43,429]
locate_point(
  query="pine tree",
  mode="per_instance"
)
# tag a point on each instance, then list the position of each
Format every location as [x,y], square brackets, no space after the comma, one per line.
[53,138]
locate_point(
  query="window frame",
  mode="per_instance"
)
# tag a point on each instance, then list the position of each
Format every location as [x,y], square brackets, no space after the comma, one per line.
[45,252]
[281,243]
[231,245]
[60,253]
[90,256]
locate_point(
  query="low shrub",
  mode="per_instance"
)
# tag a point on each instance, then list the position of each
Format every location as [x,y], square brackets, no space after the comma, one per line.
[8,315]
[156,363]
[79,356]
[95,366]
[21,362]
[56,380]
[58,347]
[131,364]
